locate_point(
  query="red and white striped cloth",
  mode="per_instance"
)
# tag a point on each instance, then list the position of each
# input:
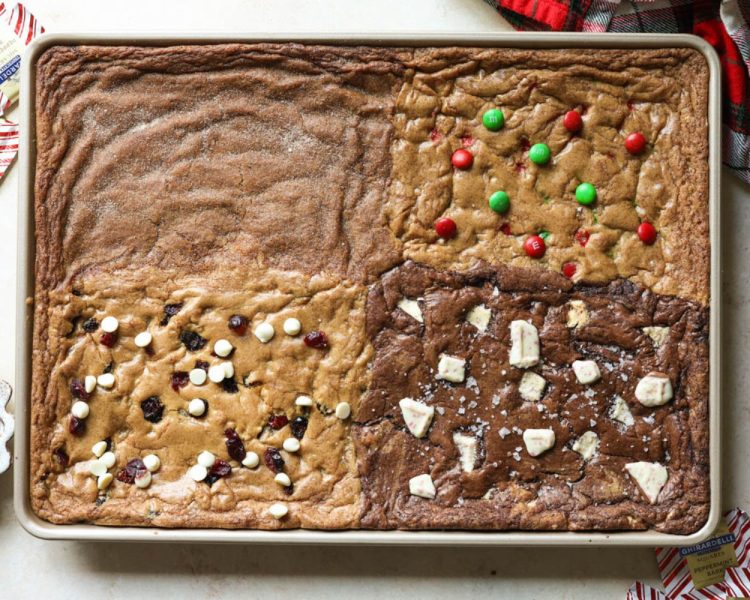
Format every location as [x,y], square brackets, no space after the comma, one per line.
[25,27]
[675,574]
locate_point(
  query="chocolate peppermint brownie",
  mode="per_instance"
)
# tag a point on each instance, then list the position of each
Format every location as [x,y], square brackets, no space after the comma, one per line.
[286,286]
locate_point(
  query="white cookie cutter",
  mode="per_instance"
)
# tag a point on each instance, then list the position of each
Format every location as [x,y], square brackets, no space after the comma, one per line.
[7,425]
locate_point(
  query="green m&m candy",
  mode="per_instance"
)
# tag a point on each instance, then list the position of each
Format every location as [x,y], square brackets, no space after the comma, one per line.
[586,194]
[500,202]
[539,154]
[493,119]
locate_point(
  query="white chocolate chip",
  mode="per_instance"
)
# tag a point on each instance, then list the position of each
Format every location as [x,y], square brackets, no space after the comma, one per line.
[292,326]
[621,412]
[531,386]
[251,460]
[108,459]
[417,416]
[152,462]
[291,444]
[197,407]
[283,479]
[228,370]
[303,401]
[223,348]
[422,486]
[197,376]
[197,472]
[343,410]
[89,383]
[468,450]
[649,476]
[99,448]
[538,441]
[143,339]
[451,368]
[524,350]
[97,468]
[657,334]
[110,324]
[264,332]
[217,373]
[80,409]
[104,481]
[479,317]
[578,315]
[587,371]
[411,308]
[142,479]
[654,390]
[278,510]
[106,380]
[206,459]
[587,445]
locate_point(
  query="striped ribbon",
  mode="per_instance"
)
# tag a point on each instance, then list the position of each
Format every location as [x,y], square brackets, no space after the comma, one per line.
[25,27]
[676,578]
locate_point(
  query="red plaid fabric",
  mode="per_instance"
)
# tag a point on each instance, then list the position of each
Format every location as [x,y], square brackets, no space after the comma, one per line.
[723,24]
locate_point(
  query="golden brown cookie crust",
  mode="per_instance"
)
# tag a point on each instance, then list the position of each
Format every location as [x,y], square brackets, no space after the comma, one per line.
[281,179]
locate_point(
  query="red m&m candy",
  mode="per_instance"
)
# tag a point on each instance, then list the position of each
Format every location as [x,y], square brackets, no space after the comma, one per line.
[635,143]
[569,269]
[462,159]
[445,228]
[647,233]
[534,246]
[572,121]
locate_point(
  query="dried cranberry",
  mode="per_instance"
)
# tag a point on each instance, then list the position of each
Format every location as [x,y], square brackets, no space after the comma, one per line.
[238,324]
[235,447]
[153,409]
[298,427]
[192,340]
[201,364]
[525,144]
[435,135]
[108,339]
[230,386]
[78,389]
[220,468]
[505,228]
[133,469]
[272,458]
[61,456]
[76,426]
[316,339]
[170,310]
[90,325]
[180,379]
[277,421]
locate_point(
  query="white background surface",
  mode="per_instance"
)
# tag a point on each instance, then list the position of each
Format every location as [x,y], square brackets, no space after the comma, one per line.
[31,568]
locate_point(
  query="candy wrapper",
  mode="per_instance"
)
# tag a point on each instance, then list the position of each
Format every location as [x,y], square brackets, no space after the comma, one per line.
[716,569]
[18,27]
